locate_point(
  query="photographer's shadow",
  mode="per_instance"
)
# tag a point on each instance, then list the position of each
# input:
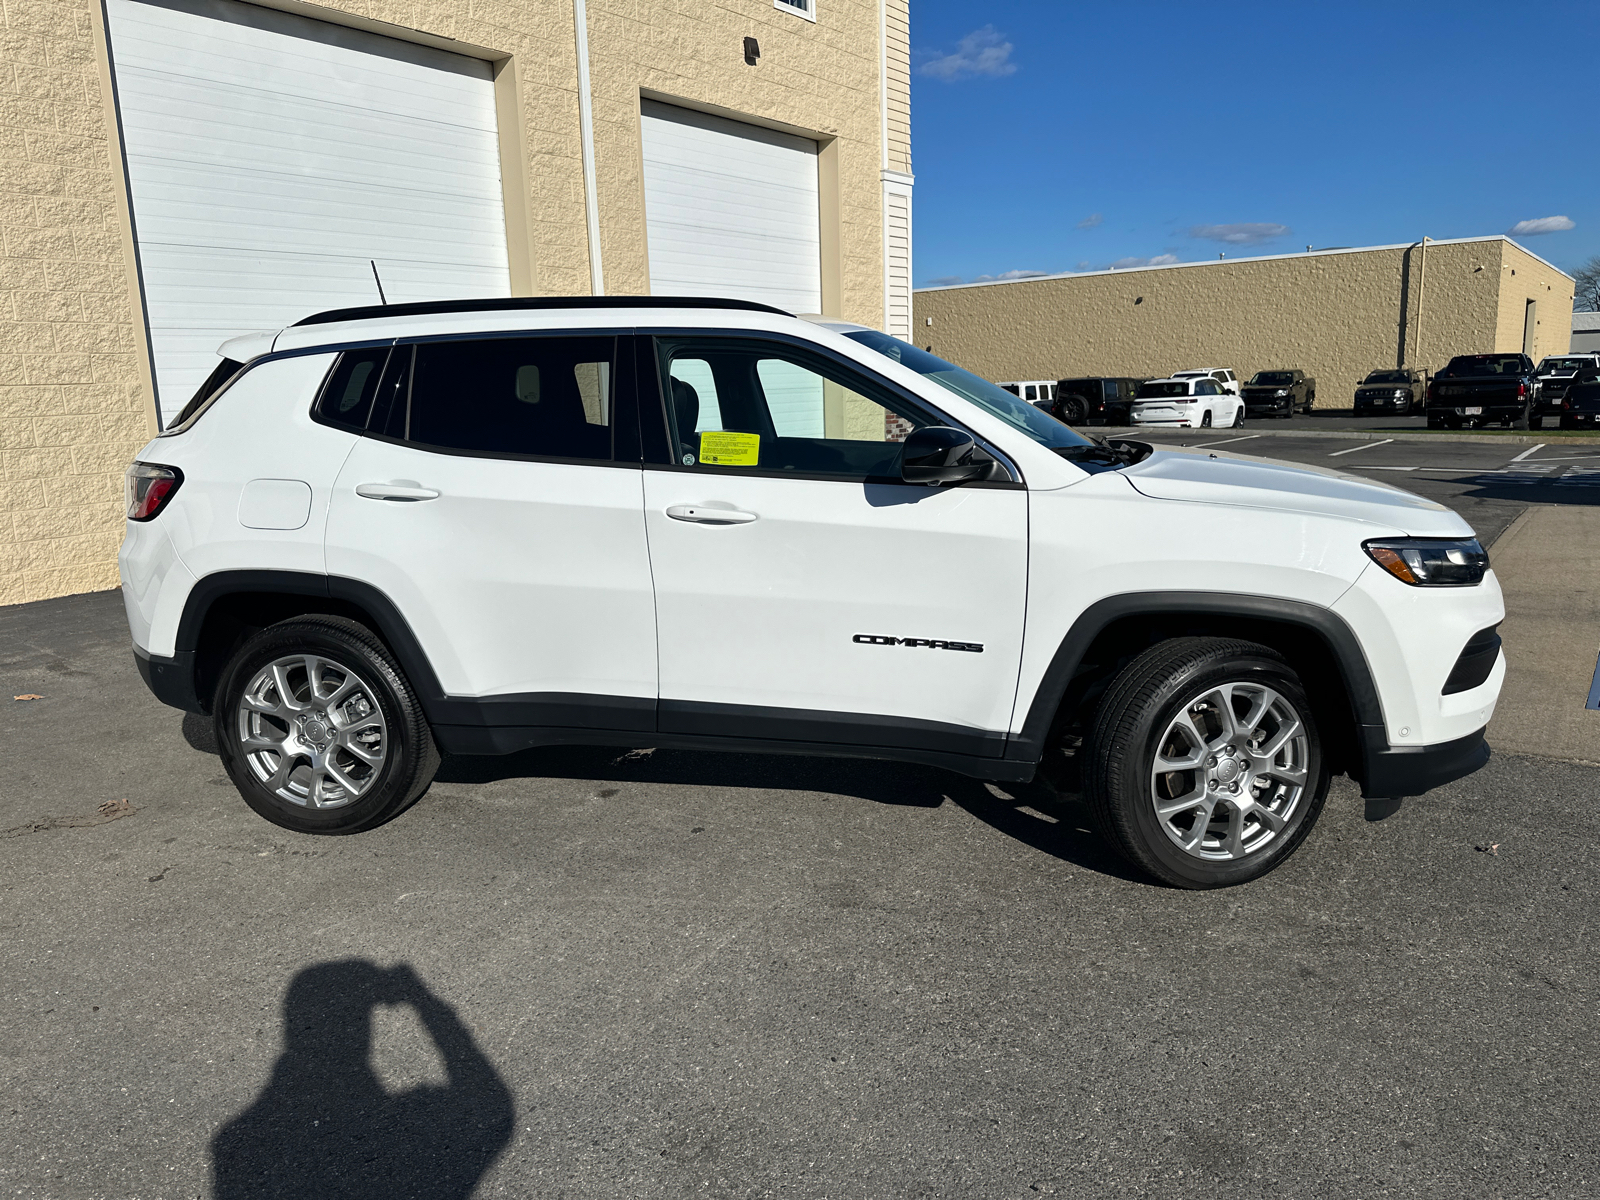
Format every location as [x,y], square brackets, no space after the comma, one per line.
[326,1127]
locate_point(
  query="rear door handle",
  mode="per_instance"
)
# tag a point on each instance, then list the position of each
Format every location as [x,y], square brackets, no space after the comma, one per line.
[706,515]
[395,491]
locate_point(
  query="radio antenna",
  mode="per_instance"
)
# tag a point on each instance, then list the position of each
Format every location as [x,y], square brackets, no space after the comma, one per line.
[382,299]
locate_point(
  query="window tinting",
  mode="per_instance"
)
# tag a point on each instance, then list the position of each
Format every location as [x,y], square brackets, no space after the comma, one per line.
[544,397]
[347,395]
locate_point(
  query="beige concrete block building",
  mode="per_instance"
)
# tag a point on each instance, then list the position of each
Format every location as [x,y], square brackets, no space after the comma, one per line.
[176,172]
[1335,314]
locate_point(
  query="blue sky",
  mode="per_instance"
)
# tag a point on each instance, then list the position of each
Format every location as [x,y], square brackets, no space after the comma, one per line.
[1073,136]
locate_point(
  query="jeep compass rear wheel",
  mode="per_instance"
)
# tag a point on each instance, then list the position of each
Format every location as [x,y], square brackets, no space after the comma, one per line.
[1205,765]
[319,730]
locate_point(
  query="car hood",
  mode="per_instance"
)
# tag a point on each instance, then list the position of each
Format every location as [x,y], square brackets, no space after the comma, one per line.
[1206,478]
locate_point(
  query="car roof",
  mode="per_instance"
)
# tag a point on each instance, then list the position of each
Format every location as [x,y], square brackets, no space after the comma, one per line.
[345,327]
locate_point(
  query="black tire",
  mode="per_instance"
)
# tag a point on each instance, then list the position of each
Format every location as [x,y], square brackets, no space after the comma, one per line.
[1073,410]
[397,727]
[1205,421]
[1238,418]
[1138,711]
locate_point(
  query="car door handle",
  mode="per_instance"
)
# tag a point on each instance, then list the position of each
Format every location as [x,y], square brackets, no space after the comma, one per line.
[707,515]
[395,491]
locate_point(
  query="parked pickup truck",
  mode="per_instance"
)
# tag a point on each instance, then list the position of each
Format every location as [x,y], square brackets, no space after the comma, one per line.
[1480,389]
[1278,393]
[1556,373]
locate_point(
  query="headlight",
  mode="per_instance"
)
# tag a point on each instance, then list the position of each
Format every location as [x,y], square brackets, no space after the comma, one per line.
[1281,392]
[1400,395]
[1430,562]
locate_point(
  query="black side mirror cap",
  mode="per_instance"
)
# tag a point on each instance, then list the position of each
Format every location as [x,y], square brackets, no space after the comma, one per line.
[938,454]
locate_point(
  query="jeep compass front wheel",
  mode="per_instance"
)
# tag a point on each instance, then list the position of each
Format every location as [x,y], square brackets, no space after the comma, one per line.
[319,730]
[1205,766]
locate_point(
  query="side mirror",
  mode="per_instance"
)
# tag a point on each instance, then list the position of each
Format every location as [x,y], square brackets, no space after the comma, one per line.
[938,454]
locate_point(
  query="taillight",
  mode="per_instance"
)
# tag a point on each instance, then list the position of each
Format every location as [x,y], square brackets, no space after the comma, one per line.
[1566,402]
[147,487]
[1522,390]
[1433,391]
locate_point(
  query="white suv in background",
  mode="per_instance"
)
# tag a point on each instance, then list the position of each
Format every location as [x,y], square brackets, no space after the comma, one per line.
[1188,402]
[1226,379]
[474,527]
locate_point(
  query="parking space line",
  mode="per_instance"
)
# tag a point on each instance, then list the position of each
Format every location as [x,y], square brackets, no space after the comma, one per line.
[1530,452]
[1363,446]
[1225,441]
[1359,467]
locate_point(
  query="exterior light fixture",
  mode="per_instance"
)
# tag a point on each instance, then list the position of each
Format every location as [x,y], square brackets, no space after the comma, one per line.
[752,51]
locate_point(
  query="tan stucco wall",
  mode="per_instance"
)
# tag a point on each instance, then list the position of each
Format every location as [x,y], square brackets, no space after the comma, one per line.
[1335,315]
[75,403]
[72,408]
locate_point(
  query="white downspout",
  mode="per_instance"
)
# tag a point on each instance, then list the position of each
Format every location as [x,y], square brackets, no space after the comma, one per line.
[591,198]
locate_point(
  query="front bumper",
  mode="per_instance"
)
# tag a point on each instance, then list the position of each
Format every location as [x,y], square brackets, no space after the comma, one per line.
[1393,771]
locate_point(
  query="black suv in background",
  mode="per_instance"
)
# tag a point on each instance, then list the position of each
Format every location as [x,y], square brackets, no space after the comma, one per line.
[1482,389]
[1399,392]
[1278,393]
[1097,400]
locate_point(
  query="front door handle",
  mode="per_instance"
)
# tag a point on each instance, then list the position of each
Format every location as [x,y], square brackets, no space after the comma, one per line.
[705,514]
[403,491]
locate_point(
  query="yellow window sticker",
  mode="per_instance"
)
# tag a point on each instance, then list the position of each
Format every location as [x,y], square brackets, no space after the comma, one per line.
[721,448]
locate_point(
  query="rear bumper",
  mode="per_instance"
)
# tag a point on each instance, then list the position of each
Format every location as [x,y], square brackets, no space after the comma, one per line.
[171,680]
[1392,771]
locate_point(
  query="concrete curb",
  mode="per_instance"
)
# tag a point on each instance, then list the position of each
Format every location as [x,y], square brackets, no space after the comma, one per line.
[1354,435]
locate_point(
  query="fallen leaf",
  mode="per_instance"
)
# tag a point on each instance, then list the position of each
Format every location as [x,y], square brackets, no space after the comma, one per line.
[29,696]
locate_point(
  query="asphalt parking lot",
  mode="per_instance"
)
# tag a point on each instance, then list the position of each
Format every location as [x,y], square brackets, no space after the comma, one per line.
[586,972]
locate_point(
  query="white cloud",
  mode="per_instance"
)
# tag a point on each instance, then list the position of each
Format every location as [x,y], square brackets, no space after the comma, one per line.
[1542,225]
[1245,233]
[1005,275]
[1085,265]
[1091,221]
[982,52]
[942,281]
[1160,260]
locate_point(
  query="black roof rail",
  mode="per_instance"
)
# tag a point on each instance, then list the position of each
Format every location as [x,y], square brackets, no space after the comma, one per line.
[426,308]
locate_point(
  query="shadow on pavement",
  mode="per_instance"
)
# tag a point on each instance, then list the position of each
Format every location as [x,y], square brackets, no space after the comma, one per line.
[1031,813]
[326,1127]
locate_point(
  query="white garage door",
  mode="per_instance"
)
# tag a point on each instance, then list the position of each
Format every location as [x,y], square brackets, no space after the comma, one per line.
[731,210]
[271,157]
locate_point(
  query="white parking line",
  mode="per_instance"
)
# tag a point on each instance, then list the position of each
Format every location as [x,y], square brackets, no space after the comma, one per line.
[1225,441]
[1363,446]
[1359,467]
[1530,452]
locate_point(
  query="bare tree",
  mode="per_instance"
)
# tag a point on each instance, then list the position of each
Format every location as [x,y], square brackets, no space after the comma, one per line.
[1586,292]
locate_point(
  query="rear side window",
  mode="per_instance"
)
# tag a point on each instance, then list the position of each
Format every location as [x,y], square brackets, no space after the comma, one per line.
[528,397]
[225,370]
[351,385]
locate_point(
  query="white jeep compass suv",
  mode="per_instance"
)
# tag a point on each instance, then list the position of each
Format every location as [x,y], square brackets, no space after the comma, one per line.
[472,527]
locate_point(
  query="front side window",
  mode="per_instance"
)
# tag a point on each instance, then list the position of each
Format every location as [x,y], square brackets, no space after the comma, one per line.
[774,409]
[992,399]
[525,397]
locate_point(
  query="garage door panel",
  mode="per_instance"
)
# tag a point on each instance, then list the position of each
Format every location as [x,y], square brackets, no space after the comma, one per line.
[271,157]
[731,209]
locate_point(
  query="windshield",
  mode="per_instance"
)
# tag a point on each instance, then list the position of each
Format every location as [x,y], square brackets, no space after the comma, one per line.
[1564,366]
[1273,378]
[1163,387]
[1482,364]
[1388,377]
[1019,414]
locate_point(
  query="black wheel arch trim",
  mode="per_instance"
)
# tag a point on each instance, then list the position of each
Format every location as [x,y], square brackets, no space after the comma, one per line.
[1367,709]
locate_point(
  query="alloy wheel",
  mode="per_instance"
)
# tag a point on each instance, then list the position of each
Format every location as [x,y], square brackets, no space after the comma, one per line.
[1229,771]
[312,731]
